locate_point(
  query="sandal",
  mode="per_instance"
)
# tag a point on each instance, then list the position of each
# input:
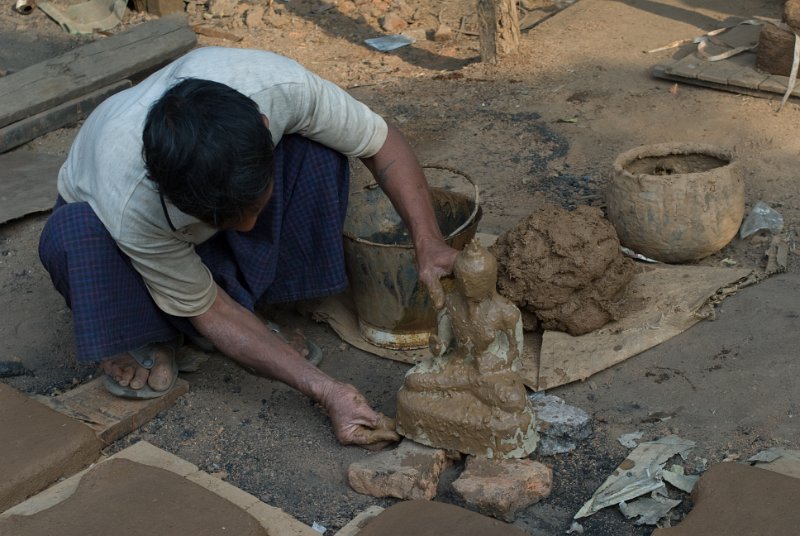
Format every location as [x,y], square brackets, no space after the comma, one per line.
[314,352]
[144,356]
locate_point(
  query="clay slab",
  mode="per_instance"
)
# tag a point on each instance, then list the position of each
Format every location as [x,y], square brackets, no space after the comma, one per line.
[39,446]
[161,469]
[733,498]
[427,518]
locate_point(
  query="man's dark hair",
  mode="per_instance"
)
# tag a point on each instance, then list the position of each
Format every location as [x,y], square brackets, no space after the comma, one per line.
[208,150]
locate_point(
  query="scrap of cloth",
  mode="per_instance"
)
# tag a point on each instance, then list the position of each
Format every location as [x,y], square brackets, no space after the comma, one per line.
[294,252]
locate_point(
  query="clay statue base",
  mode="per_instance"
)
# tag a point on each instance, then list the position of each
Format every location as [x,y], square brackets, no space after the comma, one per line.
[446,405]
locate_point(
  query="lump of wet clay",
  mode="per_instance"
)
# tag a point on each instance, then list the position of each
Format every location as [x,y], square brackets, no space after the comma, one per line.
[564,267]
[469,397]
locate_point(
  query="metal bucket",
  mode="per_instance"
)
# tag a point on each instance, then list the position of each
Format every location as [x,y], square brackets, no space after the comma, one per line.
[394,308]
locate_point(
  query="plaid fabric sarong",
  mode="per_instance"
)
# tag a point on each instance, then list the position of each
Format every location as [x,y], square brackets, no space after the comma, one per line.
[295,252]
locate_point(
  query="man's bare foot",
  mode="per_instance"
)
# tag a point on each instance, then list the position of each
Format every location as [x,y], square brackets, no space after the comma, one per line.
[125,370]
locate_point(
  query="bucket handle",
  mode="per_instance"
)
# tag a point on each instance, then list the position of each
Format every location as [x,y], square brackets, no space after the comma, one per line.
[475,209]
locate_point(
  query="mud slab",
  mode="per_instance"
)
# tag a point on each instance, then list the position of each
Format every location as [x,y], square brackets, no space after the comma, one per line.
[426,518]
[140,498]
[146,483]
[732,498]
[38,446]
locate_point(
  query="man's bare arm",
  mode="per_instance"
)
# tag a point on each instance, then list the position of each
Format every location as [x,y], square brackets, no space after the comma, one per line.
[399,174]
[243,337]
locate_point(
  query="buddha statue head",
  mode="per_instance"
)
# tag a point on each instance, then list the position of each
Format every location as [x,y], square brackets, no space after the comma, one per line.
[475,270]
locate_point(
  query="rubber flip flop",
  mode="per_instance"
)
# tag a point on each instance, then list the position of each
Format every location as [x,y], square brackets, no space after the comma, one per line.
[314,352]
[143,356]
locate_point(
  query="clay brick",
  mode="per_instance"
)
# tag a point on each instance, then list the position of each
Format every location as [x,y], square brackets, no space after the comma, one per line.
[501,488]
[411,471]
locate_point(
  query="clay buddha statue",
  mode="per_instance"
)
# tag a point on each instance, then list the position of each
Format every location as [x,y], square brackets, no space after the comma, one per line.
[469,397]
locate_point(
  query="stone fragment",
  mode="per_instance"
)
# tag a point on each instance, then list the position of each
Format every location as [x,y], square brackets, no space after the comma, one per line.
[501,488]
[443,33]
[404,9]
[560,425]
[347,7]
[276,19]
[11,366]
[411,471]
[393,23]
[791,14]
[254,17]
[222,8]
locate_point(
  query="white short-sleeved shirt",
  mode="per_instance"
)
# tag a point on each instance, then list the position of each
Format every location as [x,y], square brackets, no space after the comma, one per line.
[105,166]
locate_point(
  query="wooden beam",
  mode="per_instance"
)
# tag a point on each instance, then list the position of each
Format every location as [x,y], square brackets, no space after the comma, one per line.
[498,25]
[93,66]
[62,115]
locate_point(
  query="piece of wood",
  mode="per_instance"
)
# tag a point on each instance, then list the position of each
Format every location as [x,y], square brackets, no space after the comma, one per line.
[498,25]
[27,183]
[93,66]
[216,33]
[740,72]
[109,416]
[722,72]
[69,113]
[687,67]
[777,255]
[161,8]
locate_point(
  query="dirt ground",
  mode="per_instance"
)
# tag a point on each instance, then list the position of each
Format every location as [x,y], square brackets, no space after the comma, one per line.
[551,118]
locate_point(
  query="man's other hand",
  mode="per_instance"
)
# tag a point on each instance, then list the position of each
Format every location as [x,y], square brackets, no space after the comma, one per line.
[434,260]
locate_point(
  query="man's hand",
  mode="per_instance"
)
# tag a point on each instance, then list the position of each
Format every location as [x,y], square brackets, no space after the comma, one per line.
[434,260]
[354,421]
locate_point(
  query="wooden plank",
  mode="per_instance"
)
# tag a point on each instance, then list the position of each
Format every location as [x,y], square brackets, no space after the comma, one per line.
[736,75]
[776,84]
[687,67]
[109,416]
[740,90]
[723,71]
[62,115]
[748,78]
[93,66]
[161,8]
[27,183]
[216,33]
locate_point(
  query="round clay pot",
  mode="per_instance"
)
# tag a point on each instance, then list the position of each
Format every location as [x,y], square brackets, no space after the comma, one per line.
[676,202]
